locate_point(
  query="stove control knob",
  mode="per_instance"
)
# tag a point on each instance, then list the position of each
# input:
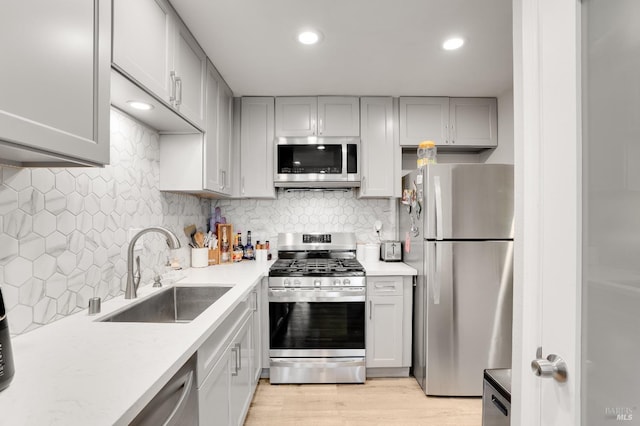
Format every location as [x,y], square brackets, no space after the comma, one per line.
[287,282]
[336,282]
[346,281]
[317,283]
[296,283]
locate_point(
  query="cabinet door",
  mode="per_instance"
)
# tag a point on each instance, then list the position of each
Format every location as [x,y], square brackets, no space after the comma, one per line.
[54,79]
[211,178]
[190,64]
[296,116]
[377,148]
[225,124]
[473,122]
[214,405]
[384,332]
[241,381]
[338,116]
[256,342]
[424,118]
[143,43]
[256,148]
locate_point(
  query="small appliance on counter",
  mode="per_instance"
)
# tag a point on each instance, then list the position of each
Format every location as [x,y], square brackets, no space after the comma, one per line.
[391,251]
[6,357]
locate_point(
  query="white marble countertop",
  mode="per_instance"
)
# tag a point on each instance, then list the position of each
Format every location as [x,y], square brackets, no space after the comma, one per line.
[388,268]
[79,371]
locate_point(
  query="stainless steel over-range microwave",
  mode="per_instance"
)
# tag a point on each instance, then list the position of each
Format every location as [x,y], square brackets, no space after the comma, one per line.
[313,162]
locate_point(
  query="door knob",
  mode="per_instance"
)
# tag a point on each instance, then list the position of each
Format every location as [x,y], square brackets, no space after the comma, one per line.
[553,366]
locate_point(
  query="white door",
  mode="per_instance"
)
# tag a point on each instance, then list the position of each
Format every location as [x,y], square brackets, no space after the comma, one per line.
[578,179]
[548,211]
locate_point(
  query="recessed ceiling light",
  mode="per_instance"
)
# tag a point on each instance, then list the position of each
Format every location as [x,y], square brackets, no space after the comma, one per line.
[140,105]
[453,43]
[309,37]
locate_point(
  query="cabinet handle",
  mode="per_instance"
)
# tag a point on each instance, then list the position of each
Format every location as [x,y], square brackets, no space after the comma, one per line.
[254,308]
[179,91]
[446,133]
[313,126]
[223,179]
[320,126]
[242,185]
[235,351]
[239,346]
[172,96]
[370,309]
[385,287]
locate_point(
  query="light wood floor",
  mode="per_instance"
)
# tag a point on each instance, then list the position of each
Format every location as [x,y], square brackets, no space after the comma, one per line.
[378,402]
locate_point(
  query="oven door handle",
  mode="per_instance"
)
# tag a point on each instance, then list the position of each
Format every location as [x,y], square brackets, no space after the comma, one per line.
[287,295]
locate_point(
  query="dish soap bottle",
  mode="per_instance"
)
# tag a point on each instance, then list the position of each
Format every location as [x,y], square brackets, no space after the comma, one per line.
[6,356]
[427,153]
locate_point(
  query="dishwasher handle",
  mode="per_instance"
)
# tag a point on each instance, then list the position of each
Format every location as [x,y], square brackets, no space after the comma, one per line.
[176,414]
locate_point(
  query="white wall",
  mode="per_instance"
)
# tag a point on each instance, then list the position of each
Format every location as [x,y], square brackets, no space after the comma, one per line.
[65,230]
[503,154]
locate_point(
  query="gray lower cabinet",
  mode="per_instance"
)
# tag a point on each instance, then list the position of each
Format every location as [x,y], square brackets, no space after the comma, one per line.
[226,367]
[388,326]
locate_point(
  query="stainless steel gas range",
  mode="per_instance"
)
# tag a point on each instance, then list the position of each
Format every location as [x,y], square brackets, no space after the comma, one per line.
[317,310]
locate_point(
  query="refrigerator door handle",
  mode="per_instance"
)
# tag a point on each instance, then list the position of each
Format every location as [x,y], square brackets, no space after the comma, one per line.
[436,274]
[437,190]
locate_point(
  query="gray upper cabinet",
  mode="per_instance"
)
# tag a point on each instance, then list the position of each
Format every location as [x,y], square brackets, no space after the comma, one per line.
[473,122]
[145,55]
[201,163]
[379,149]
[190,63]
[53,58]
[449,122]
[256,147]
[153,47]
[217,138]
[424,118]
[317,116]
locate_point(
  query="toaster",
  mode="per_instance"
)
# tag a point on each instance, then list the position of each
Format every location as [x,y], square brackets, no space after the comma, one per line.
[391,251]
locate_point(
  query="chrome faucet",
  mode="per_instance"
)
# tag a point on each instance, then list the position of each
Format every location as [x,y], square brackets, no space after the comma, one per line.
[133,281]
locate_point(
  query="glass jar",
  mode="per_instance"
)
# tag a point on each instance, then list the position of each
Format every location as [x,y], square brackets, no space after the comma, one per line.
[427,153]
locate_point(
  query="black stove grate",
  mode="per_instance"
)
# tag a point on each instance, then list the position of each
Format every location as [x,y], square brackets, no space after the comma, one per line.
[315,266]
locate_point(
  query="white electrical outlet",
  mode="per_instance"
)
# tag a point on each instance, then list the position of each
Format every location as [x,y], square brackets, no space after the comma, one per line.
[132,233]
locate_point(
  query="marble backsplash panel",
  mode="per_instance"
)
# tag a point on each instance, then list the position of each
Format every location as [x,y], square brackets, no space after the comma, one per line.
[65,231]
[310,211]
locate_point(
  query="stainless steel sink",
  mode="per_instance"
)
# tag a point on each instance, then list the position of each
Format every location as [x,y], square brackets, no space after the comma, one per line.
[175,304]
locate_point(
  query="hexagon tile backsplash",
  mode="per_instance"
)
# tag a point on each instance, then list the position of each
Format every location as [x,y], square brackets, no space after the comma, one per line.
[310,211]
[65,230]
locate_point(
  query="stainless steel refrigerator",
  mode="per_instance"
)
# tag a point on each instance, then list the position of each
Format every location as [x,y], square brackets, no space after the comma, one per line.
[456,223]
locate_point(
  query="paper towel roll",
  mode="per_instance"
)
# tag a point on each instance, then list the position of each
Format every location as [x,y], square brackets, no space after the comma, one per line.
[371,252]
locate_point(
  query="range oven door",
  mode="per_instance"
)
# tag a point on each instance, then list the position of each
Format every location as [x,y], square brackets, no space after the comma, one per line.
[317,336]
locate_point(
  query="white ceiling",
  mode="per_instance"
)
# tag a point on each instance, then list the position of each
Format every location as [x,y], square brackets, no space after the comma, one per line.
[370,47]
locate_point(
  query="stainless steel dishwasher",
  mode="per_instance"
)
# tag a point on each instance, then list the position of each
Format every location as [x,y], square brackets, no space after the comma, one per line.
[496,397]
[177,402]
